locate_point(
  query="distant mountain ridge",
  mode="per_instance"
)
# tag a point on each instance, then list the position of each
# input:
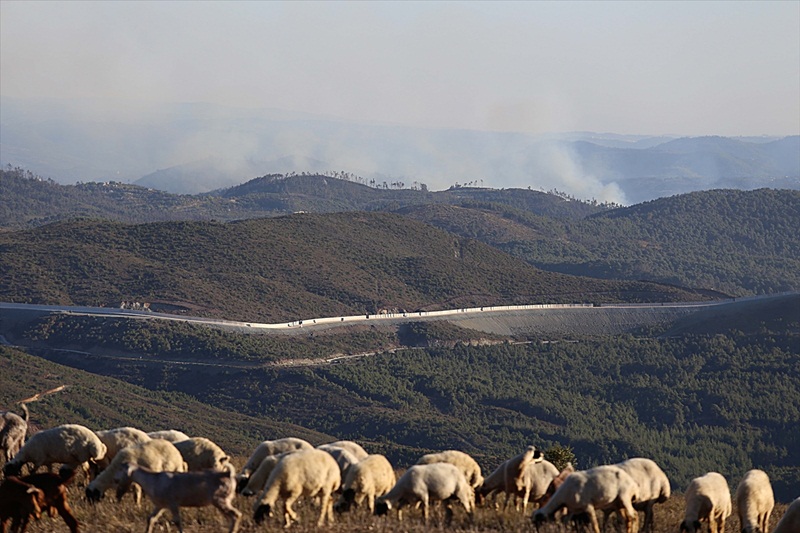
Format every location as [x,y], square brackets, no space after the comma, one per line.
[200,147]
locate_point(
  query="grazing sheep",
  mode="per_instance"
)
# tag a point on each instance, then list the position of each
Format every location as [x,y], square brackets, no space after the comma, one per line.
[173,490]
[202,454]
[708,498]
[754,502]
[18,502]
[266,448]
[70,444]
[352,447]
[256,482]
[303,473]
[790,521]
[117,439]
[368,479]
[13,429]
[515,470]
[344,458]
[493,483]
[426,483]
[536,479]
[172,435]
[653,486]
[54,488]
[156,455]
[465,463]
[556,483]
[602,487]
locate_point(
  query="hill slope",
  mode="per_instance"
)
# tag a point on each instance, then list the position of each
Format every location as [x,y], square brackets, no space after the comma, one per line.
[737,242]
[283,269]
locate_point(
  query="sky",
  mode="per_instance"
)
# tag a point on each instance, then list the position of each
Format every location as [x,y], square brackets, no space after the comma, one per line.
[649,68]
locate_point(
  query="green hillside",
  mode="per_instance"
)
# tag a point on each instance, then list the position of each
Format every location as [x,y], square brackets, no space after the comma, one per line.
[284,269]
[735,242]
[728,401]
[102,403]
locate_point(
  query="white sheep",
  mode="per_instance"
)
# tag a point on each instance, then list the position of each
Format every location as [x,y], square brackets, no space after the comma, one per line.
[464,462]
[267,448]
[13,429]
[708,498]
[368,479]
[425,484]
[790,521]
[71,444]
[118,438]
[754,502]
[494,482]
[202,454]
[157,455]
[257,480]
[587,491]
[343,457]
[172,435]
[353,447]
[311,473]
[173,490]
[653,486]
[514,472]
[536,480]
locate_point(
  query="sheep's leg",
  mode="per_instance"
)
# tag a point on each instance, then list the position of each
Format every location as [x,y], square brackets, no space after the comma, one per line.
[324,513]
[593,519]
[153,518]
[289,515]
[137,494]
[425,509]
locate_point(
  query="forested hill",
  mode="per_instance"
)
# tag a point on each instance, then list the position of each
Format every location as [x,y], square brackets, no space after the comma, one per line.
[737,242]
[287,268]
[29,200]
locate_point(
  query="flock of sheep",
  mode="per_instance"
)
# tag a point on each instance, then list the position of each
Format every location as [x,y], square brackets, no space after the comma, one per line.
[174,471]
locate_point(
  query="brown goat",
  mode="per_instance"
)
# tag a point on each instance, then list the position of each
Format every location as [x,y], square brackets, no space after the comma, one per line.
[18,502]
[55,494]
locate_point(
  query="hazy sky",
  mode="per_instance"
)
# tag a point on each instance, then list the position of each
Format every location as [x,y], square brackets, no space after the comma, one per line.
[687,68]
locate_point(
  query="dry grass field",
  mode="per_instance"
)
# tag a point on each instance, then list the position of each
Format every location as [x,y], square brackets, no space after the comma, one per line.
[109,516]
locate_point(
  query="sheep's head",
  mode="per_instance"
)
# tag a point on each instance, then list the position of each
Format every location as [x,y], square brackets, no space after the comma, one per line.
[93,495]
[345,502]
[263,512]
[690,527]
[12,469]
[241,483]
[382,507]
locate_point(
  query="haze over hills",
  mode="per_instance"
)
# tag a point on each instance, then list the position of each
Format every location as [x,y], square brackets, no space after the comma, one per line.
[191,148]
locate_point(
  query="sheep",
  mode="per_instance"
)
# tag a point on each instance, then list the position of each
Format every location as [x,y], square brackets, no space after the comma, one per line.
[156,455]
[117,439]
[790,521]
[653,486]
[425,483]
[173,490]
[494,482]
[352,447]
[54,488]
[18,502]
[754,502]
[536,479]
[465,463]
[70,444]
[368,479]
[343,457]
[256,482]
[708,498]
[266,448]
[302,473]
[515,470]
[599,488]
[202,454]
[172,435]
[556,483]
[13,429]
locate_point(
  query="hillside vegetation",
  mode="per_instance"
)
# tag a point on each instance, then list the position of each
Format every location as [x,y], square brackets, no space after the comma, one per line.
[283,269]
[735,242]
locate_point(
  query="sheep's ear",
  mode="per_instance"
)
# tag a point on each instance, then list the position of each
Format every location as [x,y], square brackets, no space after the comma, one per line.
[224,459]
